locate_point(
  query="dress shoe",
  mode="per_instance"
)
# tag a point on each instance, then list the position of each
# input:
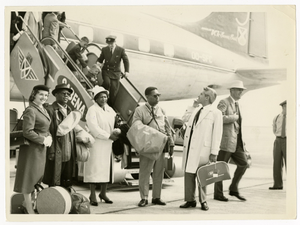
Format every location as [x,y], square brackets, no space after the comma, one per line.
[236,194]
[157,201]
[143,203]
[222,198]
[275,188]
[189,204]
[106,199]
[94,203]
[204,206]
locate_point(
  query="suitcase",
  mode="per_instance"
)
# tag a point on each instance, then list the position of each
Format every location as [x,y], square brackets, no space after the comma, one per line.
[213,172]
[16,204]
[54,200]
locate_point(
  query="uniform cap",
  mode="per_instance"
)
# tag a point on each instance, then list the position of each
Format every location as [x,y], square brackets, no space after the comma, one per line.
[110,39]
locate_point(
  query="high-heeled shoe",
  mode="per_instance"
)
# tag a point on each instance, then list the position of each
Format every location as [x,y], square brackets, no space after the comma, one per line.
[93,202]
[107,200]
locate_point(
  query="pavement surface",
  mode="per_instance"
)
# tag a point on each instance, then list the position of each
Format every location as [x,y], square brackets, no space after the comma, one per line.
[262,203]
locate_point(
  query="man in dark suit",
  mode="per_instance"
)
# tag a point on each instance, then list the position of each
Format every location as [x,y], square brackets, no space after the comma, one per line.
[232,145]
[111,70]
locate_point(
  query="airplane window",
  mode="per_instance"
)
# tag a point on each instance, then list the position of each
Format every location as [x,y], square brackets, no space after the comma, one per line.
[120,39]
[86,32]
[144,45]
[168,50]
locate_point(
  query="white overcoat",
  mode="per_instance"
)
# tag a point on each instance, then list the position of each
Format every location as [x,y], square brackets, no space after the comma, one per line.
[99,166]
[206,137]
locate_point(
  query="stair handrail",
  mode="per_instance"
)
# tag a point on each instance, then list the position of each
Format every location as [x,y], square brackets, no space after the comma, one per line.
[69,59]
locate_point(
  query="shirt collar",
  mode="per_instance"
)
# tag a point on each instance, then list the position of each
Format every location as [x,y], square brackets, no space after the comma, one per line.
[234,101]
[63,107]
[154,107]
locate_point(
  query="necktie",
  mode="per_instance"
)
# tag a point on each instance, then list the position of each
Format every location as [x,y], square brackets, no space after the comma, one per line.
[283,126]
[197,116]
[237,108]
[152,111]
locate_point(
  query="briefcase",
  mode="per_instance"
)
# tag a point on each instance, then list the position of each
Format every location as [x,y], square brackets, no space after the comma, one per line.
[213,172]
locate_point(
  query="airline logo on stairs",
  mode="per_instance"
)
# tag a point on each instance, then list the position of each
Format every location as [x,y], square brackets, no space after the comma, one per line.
[27,72]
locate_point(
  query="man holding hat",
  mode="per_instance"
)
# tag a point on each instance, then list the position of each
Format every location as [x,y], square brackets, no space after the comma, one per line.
[111,70]
[232,145]
[61,155]
[279,150]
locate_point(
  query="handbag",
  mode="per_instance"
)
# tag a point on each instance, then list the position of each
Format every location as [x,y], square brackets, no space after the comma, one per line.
[212,172]
[82,152]
[80,204]
[16,135]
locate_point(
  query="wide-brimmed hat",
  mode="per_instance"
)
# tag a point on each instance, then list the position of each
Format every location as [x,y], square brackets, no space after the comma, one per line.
[60,87]
[283,103]
[98,89]
[237,84]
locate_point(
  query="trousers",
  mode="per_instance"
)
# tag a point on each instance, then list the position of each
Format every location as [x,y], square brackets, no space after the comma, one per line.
[190,188]
[279,155]
[146,166]
[112,85]
[240,159]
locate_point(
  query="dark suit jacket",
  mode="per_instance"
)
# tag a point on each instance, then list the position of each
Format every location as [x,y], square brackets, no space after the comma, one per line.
[231,128]
[75,53]
[113,62]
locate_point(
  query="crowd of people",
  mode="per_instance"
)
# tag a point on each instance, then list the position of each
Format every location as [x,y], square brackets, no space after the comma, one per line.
[212,134]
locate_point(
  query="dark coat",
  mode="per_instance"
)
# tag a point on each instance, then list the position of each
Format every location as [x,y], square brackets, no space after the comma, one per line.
[32,157]
[53,168]
[75,54]
[113,62]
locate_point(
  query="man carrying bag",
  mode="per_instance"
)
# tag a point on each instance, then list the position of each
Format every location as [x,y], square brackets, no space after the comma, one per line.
[153,116]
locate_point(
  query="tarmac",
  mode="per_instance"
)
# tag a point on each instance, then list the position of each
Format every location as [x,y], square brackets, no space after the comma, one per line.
[261,204]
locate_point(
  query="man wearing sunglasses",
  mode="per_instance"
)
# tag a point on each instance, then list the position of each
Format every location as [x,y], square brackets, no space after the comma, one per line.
[61,154]
[154,116]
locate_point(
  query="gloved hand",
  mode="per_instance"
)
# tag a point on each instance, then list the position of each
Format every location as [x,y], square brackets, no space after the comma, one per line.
[48,141]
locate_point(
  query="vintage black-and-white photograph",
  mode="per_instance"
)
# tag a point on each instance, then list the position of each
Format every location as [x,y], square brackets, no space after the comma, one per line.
[150,112]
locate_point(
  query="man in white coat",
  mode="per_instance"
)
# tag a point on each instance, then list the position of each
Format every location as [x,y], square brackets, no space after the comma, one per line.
[201,144]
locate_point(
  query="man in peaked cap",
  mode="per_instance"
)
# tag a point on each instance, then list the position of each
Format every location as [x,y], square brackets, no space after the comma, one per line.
[279,150]
[61,155]
[232,145]
[111,70]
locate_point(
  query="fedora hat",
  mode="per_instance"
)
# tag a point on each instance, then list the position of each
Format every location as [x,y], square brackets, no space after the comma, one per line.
[98,89]
[283,103]
[237,84]
[60,87]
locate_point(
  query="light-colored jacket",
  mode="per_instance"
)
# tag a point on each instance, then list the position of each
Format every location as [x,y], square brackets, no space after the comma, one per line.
[230,126]
[205,139]
[100,165]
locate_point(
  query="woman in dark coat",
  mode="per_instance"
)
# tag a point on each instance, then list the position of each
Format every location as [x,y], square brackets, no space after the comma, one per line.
[32,157]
